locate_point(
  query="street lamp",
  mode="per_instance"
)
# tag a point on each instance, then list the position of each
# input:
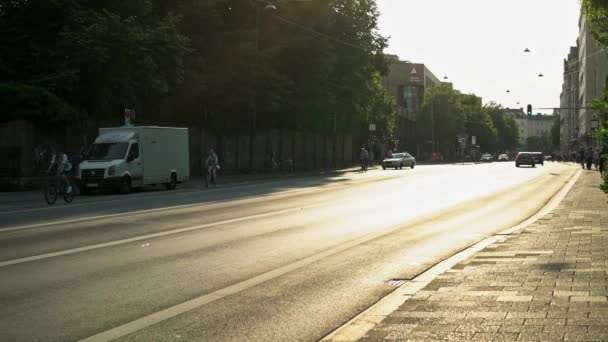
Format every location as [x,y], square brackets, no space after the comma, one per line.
[595,123]
[266,6]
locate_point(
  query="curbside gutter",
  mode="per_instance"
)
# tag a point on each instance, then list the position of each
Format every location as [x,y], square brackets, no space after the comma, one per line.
[358,327]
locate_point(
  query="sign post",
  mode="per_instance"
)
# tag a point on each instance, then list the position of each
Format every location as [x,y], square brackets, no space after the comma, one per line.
[372,128]
[129,115]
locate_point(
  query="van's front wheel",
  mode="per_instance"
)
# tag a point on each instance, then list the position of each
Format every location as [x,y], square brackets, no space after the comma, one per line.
[125,185]
[172,182]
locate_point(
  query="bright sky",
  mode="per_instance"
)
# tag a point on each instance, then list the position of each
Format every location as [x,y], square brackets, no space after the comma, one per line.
[478,44]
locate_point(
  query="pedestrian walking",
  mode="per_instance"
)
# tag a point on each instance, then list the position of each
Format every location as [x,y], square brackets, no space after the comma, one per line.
[589,157]
[596,158]
[580,158]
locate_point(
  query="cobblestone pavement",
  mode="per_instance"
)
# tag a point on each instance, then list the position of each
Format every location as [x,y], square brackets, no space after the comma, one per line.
[547,282]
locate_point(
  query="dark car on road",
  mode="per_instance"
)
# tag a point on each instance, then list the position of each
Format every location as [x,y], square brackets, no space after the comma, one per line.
[539,157]
[525,158]
[399,160]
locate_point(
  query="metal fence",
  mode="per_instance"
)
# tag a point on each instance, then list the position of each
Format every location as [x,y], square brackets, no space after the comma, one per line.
[10,168]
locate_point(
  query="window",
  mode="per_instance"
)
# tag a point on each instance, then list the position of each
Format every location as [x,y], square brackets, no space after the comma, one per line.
[411,97]
[134,151]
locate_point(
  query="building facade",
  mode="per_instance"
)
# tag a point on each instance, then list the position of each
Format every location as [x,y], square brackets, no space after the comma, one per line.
[539,126]
[530,126]
[593,69]
[407,82]
[569,121]
[521,120]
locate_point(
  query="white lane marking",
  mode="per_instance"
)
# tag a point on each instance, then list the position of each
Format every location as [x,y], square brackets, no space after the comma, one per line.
[133,213]
[178,309]
[182,206]
[110,199]
[181,308]
[144,237]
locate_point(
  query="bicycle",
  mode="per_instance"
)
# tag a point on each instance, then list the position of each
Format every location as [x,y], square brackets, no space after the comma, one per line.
[364,165]
[55,186]
[210,179]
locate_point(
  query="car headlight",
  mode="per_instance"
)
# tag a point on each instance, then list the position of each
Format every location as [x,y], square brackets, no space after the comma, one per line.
[112,170]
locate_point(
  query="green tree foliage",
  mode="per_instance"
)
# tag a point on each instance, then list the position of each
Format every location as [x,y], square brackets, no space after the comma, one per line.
[506,127]
[446,113]
[98,58]
[315,66]
[35,104]
[441,119]
[480,125]
[542,143]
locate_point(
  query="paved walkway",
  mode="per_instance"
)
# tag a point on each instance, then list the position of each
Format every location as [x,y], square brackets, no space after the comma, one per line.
[546,282]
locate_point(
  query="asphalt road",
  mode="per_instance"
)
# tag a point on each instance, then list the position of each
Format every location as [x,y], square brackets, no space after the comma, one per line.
[287,260]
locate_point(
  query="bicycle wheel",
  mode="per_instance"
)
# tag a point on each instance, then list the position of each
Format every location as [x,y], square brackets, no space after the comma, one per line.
[68,197]
[50,193]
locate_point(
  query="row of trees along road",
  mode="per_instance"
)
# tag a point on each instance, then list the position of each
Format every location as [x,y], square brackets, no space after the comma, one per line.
[447,113]
[316,67]
[597,12]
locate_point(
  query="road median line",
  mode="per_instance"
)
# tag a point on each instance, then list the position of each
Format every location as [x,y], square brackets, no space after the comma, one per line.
[144,237]
[279,194]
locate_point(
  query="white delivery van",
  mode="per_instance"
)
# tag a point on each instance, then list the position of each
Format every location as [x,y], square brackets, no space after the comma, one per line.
[127,157]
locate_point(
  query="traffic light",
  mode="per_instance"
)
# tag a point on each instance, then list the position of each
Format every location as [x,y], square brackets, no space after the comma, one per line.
[529,109]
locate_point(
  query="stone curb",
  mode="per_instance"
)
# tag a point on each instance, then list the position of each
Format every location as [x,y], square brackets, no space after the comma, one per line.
[361,324]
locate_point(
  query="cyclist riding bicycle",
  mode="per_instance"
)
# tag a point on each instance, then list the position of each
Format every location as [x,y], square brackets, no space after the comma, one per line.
[212,165]
[61,166]
[364,156]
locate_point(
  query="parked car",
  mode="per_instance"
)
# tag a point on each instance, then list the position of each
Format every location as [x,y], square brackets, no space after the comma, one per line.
[525,158]
[503,157]
[486,157]
[539,157]
[399,160]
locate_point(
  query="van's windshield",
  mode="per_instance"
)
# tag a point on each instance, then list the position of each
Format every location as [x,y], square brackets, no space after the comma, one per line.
[108,151]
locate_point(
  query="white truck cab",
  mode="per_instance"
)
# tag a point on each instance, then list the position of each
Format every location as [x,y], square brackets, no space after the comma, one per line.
[123,158]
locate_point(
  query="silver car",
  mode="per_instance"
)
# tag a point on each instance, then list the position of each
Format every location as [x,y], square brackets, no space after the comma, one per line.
[399,160]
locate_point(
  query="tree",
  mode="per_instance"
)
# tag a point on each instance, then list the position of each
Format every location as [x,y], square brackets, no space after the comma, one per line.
[480,125]
[440,120]
[310,68]
[506,127]
[597,12]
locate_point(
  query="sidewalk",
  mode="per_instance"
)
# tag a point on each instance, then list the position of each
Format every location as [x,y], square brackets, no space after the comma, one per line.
[546,282]
[199,182]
